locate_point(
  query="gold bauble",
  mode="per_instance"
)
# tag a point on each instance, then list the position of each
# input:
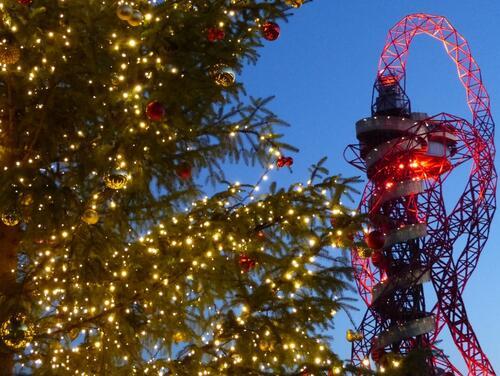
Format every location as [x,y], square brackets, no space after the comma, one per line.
[16,332]
[116,180]
[222,74]
[266,345]
[294,3]
[9,53]
[178,337]
[124,12]
[27,199]
[263,345]
[135,19]
[11,218]
[90,216]
[115,79]
[352,335]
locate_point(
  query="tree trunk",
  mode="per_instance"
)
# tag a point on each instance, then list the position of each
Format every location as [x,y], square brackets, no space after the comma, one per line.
[10,238]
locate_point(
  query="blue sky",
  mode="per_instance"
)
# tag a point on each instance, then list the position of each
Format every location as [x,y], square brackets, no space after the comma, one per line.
[322,69]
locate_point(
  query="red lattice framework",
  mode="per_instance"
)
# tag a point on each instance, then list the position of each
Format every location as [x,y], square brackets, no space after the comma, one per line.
[404,199]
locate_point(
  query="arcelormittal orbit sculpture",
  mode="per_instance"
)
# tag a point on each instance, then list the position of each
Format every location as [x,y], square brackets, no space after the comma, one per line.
[416,239]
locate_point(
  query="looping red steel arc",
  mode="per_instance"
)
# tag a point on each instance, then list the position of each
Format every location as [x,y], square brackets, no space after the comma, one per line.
[407,156]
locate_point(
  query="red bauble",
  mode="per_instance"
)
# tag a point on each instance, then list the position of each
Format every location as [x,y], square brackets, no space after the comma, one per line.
[215,34]
[284,161]
[246,263]
[24,2]
[155,111]
[184,171]
[375,239]
[271,31]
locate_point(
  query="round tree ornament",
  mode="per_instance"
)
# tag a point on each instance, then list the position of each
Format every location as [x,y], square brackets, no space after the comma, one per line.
[135,19]
[16,332]
[214,34]
[26,199]
[271,31]
[222,74]
[283,161]
[353,336]
[294,3]
[178,337]
[155,111]
[184,171]
[11,218]
[9,53]
[116,180]
[124,12]
[246,263]
[375,239]
[267,344]
[90,216]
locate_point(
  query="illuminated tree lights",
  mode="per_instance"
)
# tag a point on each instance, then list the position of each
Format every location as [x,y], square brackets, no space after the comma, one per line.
[113,261]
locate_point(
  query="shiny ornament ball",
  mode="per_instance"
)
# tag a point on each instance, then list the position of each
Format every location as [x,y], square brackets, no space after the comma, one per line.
[353,336]
[124,12]
[246,263]
[283,161]
[9,53]
[294,3]
[271,31]
[215,34]
[24,2]
[16,332]
[223,75]
[135,19]
[375,239]
[90,216]
[184,171]
[178,337]
[115,79]
[11,218]
[266,345]
[155,111]
[27,199]
[116,180]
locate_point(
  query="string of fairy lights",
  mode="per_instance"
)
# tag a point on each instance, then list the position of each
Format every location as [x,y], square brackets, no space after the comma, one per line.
[81,319]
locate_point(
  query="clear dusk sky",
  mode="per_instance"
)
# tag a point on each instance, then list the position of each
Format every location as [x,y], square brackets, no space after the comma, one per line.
[322,69]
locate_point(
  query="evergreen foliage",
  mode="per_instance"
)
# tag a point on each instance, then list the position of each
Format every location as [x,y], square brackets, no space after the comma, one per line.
[114,260]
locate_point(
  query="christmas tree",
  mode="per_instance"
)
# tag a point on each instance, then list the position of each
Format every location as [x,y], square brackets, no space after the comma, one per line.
[124,249]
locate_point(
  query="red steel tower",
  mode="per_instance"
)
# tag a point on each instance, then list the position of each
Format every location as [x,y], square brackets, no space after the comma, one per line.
[415,238]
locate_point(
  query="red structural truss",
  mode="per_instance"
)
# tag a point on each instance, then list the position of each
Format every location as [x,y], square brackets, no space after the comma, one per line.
[407,156]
